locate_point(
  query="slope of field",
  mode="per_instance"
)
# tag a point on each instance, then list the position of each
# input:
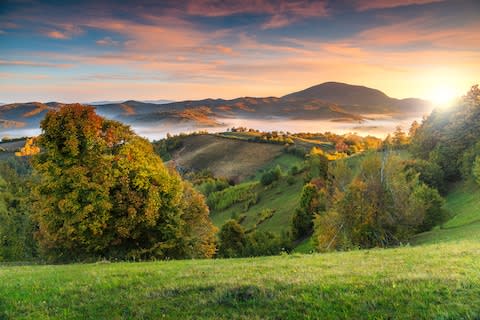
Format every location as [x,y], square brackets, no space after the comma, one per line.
[463,202]
[280,199]
[428,282]
[231,158]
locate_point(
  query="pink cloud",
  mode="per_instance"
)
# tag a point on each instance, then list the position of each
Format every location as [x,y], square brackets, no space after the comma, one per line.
[33,64]
[363,5]
[420,31]
[56,35]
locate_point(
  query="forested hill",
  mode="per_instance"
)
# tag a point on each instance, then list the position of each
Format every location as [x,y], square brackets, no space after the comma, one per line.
[450,138]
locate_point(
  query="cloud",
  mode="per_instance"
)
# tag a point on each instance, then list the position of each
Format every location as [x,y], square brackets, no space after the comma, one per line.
[56,35]
[63,31]
[364,5]
[281,13]
[422,32]
[107,41]
[27,63]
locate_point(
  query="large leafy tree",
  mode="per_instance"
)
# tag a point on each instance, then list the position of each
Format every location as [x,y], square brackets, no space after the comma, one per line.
[103,192]
[383,206]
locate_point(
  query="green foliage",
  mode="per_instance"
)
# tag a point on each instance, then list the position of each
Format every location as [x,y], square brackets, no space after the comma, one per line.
[236,242]
[270,176]
[210,185]
[467,160]
[433,203]
[447,135]
[428,172]
[382,206]
[165,147]
[265,243]
[16,225]
[232,240]
[224,199]
[317,164]
[312,201]
[476,169]
[103,192]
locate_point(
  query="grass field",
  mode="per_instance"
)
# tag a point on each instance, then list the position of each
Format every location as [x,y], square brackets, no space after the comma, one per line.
[426,282]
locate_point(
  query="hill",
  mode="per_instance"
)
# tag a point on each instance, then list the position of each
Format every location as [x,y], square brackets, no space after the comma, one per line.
[329,101]
[435,279]
[231,158]
[366,99]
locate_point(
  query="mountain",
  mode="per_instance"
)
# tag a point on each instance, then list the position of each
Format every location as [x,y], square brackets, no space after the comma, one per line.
[331,101]
[350,96]
[97,103]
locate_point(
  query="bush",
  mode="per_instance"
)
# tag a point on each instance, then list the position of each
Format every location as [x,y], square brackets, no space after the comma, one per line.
[270,176]
[226,198]
[232,240]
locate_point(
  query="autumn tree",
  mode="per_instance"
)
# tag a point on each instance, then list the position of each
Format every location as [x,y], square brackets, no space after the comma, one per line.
[201,240]
[399,138]
[103,192]
[382,206]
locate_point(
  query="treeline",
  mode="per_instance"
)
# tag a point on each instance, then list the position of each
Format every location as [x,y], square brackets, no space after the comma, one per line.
[450,138]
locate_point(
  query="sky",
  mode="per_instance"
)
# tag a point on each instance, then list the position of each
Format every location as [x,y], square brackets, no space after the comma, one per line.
[79,51]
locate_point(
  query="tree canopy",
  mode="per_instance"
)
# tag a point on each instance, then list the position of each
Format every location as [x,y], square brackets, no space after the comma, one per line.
[103,192]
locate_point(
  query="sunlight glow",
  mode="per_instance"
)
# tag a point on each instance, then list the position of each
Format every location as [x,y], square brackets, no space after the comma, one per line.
[443,95]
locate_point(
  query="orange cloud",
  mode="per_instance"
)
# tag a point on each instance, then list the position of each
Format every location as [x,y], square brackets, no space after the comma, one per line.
[420,31]
[56,35]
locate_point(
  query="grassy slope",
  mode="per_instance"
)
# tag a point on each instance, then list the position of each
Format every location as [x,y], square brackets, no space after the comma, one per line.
[231,158]
[433,281]
[464,203]
[280,197]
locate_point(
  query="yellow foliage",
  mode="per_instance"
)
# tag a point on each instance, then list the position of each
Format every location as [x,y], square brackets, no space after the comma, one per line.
[29,149]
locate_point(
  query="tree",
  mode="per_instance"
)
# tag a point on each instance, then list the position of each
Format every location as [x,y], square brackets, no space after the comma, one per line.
[232,239]
[413,129]
[399,137]
[428,172]
[16,226]
[476,169]
[103,192]
[312,201]
[201,242]
[382,206]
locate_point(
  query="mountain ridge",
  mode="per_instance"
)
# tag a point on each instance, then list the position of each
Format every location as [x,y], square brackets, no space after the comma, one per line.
[332,101]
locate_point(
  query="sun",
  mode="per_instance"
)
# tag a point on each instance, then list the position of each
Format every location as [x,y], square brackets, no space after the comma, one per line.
[442,95]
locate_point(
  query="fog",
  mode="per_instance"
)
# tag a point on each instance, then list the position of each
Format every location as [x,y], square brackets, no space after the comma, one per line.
[379,127]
